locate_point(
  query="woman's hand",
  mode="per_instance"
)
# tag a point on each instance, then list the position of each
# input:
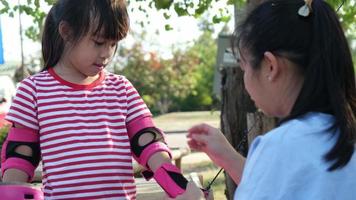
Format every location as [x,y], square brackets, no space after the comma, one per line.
[192,193]
[210,140]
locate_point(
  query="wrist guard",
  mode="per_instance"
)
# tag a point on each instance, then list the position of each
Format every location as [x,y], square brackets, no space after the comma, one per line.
[170,178]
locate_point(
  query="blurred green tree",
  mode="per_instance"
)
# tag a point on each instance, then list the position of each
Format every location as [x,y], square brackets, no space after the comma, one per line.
[194,8]
[204,50]
[183,82]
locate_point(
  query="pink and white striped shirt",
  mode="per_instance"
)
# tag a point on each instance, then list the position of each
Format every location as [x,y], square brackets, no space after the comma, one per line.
[84,133]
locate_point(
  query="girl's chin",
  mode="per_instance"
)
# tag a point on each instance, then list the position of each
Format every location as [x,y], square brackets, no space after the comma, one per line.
[97,69]
[93,73]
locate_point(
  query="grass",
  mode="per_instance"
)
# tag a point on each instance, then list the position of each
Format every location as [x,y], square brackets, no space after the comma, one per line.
[178,121]
[208,171]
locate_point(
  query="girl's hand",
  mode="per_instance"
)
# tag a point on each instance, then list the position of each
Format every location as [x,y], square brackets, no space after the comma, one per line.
[210,140]
[192,193]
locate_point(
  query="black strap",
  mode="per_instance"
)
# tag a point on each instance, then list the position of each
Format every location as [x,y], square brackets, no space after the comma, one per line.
[137,149]
[179,179]
[34,159]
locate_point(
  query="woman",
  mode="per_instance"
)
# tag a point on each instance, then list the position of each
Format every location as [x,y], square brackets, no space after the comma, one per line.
[297,67]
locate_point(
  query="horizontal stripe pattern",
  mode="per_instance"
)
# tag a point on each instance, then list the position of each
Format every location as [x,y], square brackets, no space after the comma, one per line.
[83,137]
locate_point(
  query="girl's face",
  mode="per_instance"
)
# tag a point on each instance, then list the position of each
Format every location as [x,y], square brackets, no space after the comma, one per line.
[255,84]
[90,55]
[274,85]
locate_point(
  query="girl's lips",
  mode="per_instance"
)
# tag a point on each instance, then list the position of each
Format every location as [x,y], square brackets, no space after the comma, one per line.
[99,65]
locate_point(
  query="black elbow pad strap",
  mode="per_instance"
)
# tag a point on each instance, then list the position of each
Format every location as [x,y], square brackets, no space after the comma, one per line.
[11,151]
[143,152]
[137,149]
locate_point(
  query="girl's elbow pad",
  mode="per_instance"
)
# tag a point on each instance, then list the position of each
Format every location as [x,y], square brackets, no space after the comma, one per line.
[10,159]
[142,153]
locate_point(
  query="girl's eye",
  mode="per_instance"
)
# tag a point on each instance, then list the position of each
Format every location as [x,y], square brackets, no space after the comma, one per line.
[98,43]
[113,44]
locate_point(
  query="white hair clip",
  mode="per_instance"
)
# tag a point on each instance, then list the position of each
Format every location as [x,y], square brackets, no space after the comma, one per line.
[306,9]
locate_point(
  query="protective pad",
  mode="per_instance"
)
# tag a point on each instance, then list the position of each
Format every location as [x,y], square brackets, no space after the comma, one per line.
[10,159]
[170,178]
[143,153]
[20,192]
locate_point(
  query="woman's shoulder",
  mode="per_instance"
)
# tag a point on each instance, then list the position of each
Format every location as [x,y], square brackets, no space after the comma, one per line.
[307,124]
[309,135]
[308,131]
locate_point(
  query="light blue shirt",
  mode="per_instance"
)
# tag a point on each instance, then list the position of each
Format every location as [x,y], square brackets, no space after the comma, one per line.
[287,164]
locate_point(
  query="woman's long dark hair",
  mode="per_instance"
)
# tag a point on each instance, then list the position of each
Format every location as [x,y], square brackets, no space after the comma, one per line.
[317,45]
[81,15]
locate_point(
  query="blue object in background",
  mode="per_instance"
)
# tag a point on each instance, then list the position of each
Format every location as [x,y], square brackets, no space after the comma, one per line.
[1,49]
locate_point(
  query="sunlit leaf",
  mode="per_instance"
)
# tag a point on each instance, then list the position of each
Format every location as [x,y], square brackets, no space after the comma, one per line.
[166,15]
[168,27]
[163,4]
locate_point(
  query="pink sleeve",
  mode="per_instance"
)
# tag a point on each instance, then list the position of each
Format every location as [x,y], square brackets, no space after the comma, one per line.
[23,109]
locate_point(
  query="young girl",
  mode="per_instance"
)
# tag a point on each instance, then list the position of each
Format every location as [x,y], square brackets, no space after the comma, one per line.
[297,66]
[83,122]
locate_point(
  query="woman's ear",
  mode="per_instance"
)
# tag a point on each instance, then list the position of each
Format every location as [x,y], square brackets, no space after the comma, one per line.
[271,66]
[64,31]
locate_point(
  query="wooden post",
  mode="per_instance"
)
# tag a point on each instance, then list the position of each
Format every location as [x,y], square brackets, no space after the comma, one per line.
[258,123]
[235,105]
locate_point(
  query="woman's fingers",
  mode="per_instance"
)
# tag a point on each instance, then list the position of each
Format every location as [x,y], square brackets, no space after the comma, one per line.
[198,129]
[200,135]
[195,145]
[192,193]
[198,141]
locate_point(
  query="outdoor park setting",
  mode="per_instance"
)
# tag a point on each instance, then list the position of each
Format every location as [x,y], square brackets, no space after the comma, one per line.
[182,61]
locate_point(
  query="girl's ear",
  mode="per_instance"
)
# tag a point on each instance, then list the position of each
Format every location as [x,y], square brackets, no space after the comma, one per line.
[271,66]
[64,31]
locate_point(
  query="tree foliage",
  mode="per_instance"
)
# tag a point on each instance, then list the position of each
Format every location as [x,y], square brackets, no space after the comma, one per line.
[194,8]
[166,84]
[201,96]
[158,80]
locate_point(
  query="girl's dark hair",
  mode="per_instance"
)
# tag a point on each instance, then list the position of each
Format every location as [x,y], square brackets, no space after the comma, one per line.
[317,45]
[109,16]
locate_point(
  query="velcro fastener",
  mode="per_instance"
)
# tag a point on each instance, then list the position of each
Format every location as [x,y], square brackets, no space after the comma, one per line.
[171,179]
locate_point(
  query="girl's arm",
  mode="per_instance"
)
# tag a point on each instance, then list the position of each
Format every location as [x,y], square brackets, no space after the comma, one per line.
[13,174]
[158,159]
[150,150]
